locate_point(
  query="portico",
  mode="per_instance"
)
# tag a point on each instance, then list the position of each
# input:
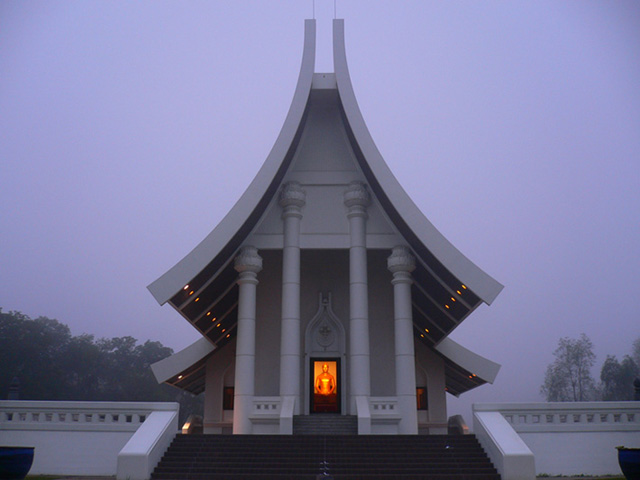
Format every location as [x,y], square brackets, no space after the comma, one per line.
[325,289]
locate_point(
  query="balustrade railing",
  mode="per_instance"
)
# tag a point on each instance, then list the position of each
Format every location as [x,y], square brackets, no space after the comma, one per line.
[87,438]
[568,416]
[568,438]
[266,406]
[44,415]
[383,406]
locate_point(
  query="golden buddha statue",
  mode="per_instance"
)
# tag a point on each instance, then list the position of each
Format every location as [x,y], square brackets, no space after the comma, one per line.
[325,383]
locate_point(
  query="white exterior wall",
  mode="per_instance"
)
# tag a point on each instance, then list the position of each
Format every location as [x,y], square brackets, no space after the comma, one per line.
[268,324]
[220,367]
[573,438]
[433,421]
[71,453]
[75,438]
[381,330]
[324,271]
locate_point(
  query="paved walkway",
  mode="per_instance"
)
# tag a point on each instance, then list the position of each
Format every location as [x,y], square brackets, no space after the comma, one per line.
[611,477]
[53,477]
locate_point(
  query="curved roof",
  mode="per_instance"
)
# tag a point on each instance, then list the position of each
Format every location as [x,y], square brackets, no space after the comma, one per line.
[178,363]
[464,369]
[226,237]
[424,238]
[447,286]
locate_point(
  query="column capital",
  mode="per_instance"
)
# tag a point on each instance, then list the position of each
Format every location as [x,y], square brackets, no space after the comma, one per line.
[401,260]
[292,198]
[356,195]
[248,260]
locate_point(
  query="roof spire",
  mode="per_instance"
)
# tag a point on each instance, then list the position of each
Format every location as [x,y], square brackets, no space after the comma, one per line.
[313,2]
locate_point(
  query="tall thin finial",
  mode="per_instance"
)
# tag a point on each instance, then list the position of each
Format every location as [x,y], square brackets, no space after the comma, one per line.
[313,3]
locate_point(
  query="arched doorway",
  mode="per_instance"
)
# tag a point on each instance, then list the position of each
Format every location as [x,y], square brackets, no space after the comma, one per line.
[324,360]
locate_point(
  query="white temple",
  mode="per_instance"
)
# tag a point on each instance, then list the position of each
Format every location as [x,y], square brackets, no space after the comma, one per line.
[325,290]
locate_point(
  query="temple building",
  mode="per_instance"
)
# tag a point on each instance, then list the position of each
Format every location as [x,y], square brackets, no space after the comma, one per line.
[325,291]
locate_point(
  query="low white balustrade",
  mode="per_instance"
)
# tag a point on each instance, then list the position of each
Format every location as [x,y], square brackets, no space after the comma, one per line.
[104,416]
[265,415]
[568,416]
[573,438]
[384,415]
[383,406]
[74,438]
[266,406]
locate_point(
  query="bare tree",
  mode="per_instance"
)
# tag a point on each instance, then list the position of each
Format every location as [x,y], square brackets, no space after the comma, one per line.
[568,378]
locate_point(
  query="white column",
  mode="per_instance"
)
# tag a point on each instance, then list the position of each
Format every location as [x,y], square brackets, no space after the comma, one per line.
[292,199]
[248,263]
[401,263]
[356,198]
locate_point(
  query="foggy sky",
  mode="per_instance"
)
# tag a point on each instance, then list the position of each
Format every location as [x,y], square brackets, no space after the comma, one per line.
[129,129]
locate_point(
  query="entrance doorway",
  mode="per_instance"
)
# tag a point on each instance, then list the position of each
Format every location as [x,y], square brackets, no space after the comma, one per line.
[325,385]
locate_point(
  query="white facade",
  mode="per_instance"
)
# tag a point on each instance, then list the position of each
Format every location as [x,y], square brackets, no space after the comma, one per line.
[325,271]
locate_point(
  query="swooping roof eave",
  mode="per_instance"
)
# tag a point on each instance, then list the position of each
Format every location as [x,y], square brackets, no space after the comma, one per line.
[195,261]
[379,174]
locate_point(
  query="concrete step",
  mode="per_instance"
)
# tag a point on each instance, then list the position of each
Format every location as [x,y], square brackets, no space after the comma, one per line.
[345,457]
[325,424]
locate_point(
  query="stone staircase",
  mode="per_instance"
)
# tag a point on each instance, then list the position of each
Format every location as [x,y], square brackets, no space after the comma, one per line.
[325,424]
[312,457]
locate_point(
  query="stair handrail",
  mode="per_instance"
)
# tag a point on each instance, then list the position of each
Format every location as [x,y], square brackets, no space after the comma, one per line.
[145,448]
[510,455]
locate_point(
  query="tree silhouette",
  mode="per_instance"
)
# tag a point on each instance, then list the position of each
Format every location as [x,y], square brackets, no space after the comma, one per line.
[51,364]
[617,378]
[568,378]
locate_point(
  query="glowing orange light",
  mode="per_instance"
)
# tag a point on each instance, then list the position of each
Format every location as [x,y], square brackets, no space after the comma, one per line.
[208,313]
[217,324]
[228,335]
[223,330]
[191,292]
[463,286]
[422,335]
[197,299]
[458,292]
[447,306]
[426,330]
[213,319]
[453,299]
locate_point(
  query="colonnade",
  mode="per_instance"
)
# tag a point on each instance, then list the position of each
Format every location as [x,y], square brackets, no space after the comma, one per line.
[248,264]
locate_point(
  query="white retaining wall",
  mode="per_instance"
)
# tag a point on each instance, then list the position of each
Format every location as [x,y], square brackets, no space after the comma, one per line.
[74,438]
[573,438]
[145,448]
[510,455]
